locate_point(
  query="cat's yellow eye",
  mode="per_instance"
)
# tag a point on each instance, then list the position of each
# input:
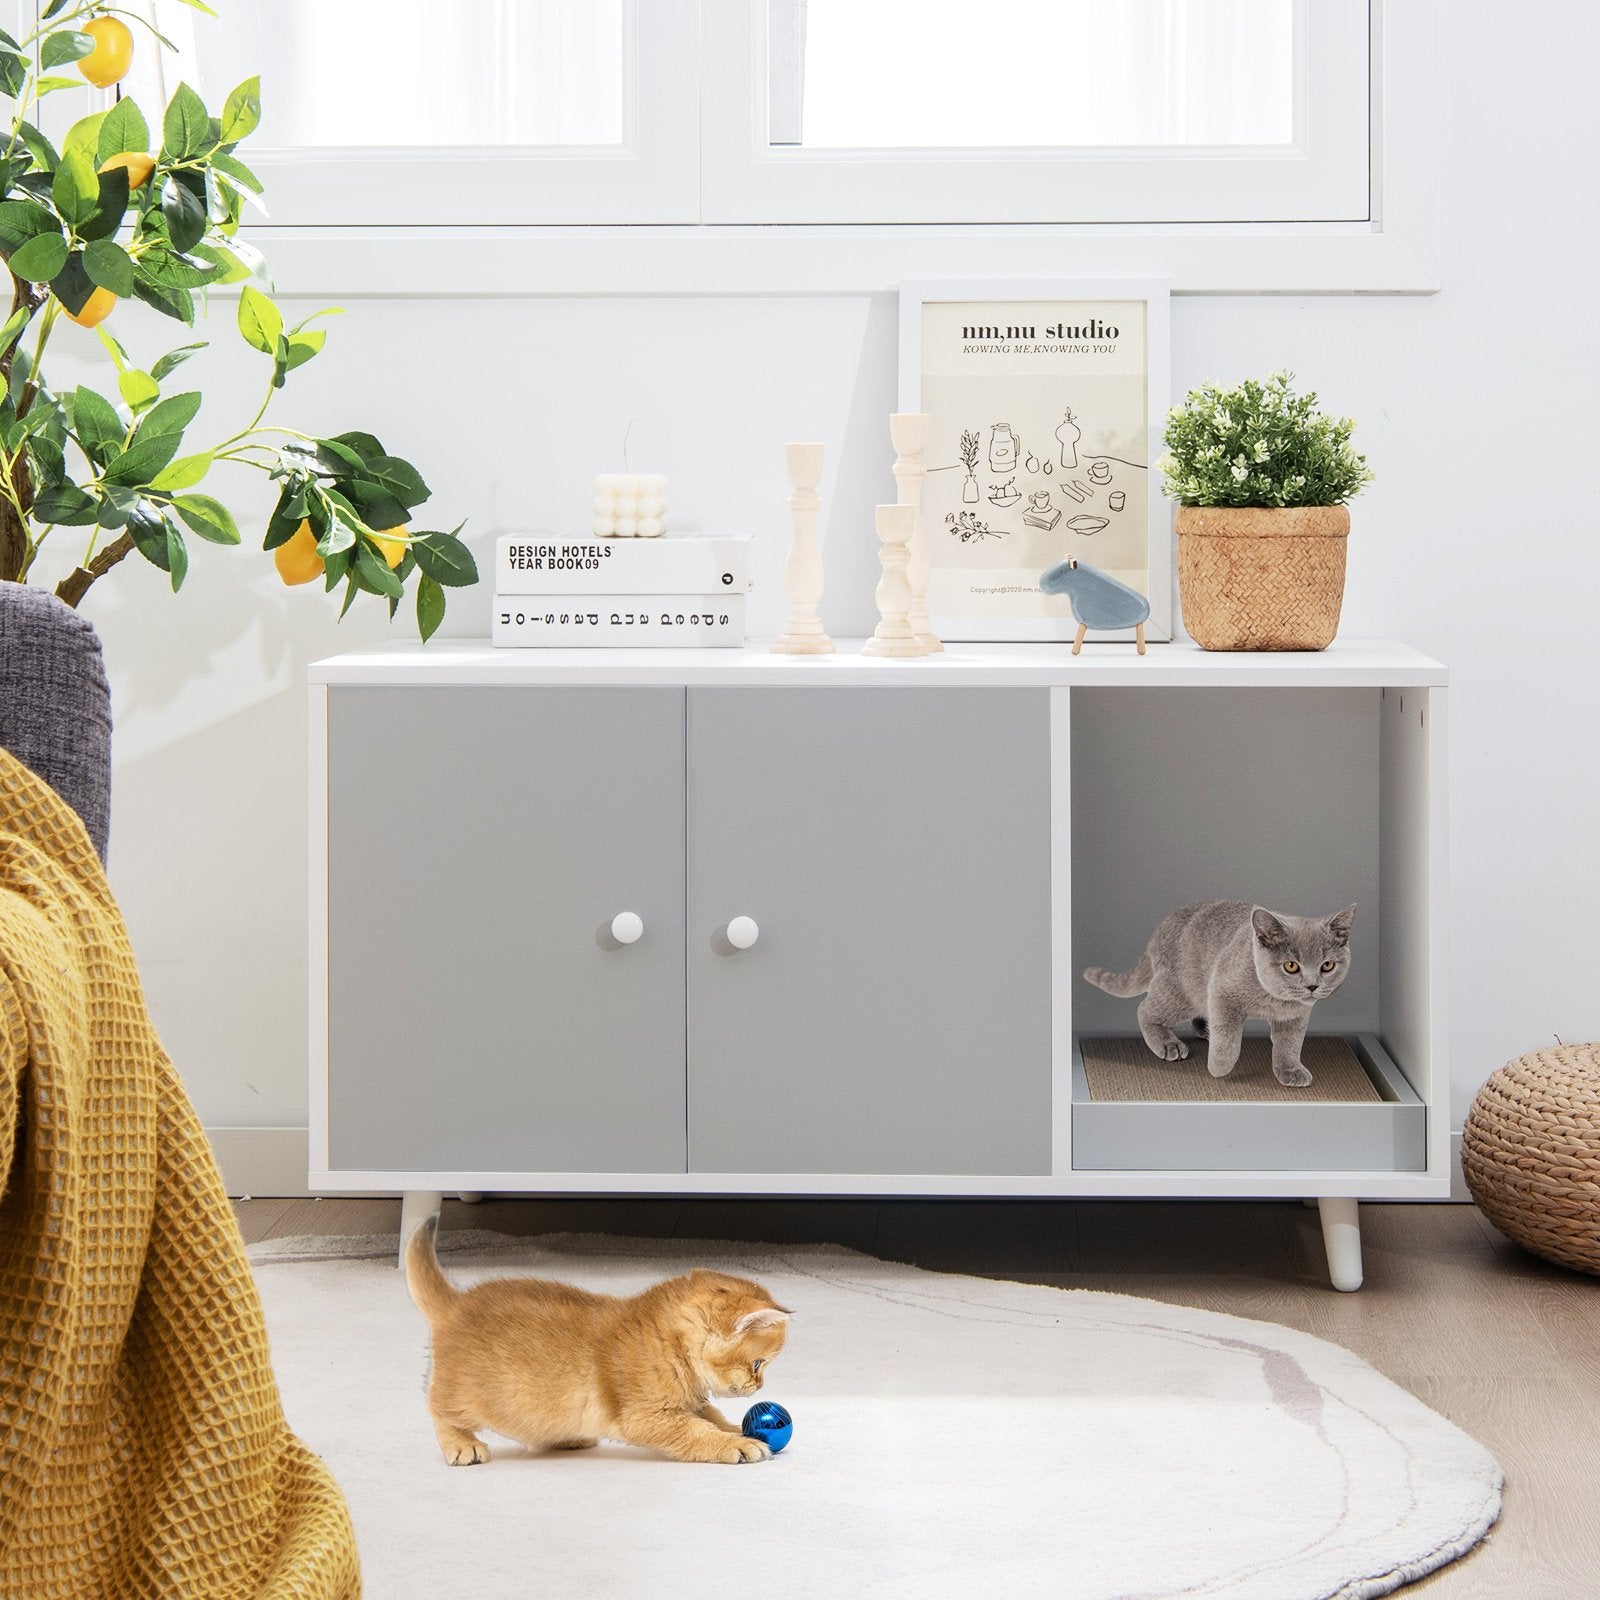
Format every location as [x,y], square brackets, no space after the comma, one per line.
[1291,966]
[1328,966]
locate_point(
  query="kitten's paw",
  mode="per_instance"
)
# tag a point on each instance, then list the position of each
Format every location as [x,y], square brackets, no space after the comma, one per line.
[466,1454]
[1295,1077]
[1176,1051]
[1219,1066]
[742,1449]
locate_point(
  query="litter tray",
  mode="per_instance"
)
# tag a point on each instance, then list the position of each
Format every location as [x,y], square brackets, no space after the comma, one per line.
[1134,1113]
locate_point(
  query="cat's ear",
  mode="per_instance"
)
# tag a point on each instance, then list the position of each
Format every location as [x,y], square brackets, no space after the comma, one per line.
[1269,931]
[753,1321]
[1339,926]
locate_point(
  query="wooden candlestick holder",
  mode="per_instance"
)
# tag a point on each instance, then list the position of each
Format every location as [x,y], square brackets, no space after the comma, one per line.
[908,431]
[894,636]
[803,634]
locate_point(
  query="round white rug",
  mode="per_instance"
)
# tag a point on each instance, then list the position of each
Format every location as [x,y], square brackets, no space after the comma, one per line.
[954,1436]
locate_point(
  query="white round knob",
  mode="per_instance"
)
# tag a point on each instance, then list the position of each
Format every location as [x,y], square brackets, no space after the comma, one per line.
[626,927]
[743,932]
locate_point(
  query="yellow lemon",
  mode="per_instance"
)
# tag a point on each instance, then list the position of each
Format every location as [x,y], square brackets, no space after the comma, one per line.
[94,310]
[393,550]
[139,167]
[296,559]
[112,55]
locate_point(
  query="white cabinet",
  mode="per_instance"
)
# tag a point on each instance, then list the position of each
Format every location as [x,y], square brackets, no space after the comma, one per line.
[855,899]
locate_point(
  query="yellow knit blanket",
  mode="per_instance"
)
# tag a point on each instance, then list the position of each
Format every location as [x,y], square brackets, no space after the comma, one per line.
[143,1450]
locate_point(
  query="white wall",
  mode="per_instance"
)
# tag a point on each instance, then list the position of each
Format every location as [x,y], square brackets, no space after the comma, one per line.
[1480,543]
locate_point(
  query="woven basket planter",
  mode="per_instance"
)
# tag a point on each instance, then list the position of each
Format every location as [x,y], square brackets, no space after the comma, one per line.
[1262,577]
[1531,1153]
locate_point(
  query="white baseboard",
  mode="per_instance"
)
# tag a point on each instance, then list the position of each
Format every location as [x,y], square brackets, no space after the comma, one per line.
[263,1163]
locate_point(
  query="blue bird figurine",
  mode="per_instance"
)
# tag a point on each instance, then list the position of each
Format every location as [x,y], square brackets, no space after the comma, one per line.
[1098,600]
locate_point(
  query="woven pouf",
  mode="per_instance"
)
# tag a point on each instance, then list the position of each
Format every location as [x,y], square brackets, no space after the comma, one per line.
[1531,1153]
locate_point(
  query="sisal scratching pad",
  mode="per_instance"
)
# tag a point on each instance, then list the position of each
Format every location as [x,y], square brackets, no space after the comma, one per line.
[1124,1069]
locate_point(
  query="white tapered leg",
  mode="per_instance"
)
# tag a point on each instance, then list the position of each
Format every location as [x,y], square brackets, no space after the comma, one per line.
[1341,1235]
[416,1206]
[470,1197]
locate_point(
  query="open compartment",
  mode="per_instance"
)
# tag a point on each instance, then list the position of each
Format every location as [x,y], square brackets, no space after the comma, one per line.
[1303,800]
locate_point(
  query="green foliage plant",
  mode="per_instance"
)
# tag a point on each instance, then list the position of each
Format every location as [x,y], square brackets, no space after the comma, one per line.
[120,468]
[1259,444]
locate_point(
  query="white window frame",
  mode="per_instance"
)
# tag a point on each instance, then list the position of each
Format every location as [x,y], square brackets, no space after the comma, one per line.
[1322,176]
[650,190]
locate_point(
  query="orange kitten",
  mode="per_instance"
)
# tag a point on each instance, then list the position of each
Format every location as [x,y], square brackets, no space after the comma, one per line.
[558,1367]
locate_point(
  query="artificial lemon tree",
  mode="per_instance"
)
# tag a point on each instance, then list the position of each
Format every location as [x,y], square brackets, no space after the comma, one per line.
[121,211]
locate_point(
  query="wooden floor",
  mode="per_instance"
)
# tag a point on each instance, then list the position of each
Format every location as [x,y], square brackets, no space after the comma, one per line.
[1501,1343]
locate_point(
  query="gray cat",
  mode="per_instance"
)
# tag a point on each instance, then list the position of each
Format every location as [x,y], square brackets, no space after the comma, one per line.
[1219,962]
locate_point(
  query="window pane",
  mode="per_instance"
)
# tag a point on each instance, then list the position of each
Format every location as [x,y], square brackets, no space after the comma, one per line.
[944,74]
[364,73]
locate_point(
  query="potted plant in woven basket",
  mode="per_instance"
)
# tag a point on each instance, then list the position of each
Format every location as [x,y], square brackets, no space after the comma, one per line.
[1261,478]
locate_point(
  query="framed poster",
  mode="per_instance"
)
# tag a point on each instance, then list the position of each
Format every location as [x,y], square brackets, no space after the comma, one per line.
[1046,401]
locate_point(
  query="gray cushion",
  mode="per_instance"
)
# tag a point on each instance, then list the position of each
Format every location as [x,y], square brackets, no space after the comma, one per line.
[55,703]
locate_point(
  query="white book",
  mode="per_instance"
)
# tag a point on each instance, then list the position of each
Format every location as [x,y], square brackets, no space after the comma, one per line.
[526,563]
[665,621]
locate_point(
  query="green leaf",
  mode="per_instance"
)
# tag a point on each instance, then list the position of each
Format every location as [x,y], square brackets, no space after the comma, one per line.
[123,129]
[241,113]
[149,537]
[44,86]
[445,559]
[186,127]
[51,9]
[21,220]
[75,188]
[286,516]
[399,477]
[116,506]
[95,422]
[230,166]
[379,509]
[139,389]
[66,503]
[68,45]
[110,207]
[430,607]
[174,271]
[84,135]
[176,303]
[44,152]
[142,460]
[184,473]
[40,259]
[15,323]
[303,346]
[185,214]
[260,321]
[199,5]
[177,554]
[363,444]
[174,358]
[173,415]
[112,347]
[13,74]
[109,266]
[71,284]
[226,262]
[339,459]
[207,517]
[373,572]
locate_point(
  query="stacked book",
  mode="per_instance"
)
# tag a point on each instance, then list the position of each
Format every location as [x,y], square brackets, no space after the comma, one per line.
[672,591]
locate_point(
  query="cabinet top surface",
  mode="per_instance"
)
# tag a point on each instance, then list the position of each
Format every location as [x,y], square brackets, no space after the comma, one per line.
[1346,663]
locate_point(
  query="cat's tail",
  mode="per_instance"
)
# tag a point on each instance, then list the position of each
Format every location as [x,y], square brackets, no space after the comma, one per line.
[428,1285]
[1123,984]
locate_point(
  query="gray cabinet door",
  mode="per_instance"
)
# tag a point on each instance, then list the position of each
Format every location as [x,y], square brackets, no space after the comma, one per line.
[480,841]
[893,849]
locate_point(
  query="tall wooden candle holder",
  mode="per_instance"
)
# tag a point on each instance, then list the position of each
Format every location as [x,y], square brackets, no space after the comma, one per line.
[908,431]
[803,634]
[894,636]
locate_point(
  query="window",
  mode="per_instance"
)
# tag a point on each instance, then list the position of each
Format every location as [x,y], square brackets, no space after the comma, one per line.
[1225,144]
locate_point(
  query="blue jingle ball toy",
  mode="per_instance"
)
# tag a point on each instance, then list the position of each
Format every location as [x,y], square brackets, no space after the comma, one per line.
[769,1423]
